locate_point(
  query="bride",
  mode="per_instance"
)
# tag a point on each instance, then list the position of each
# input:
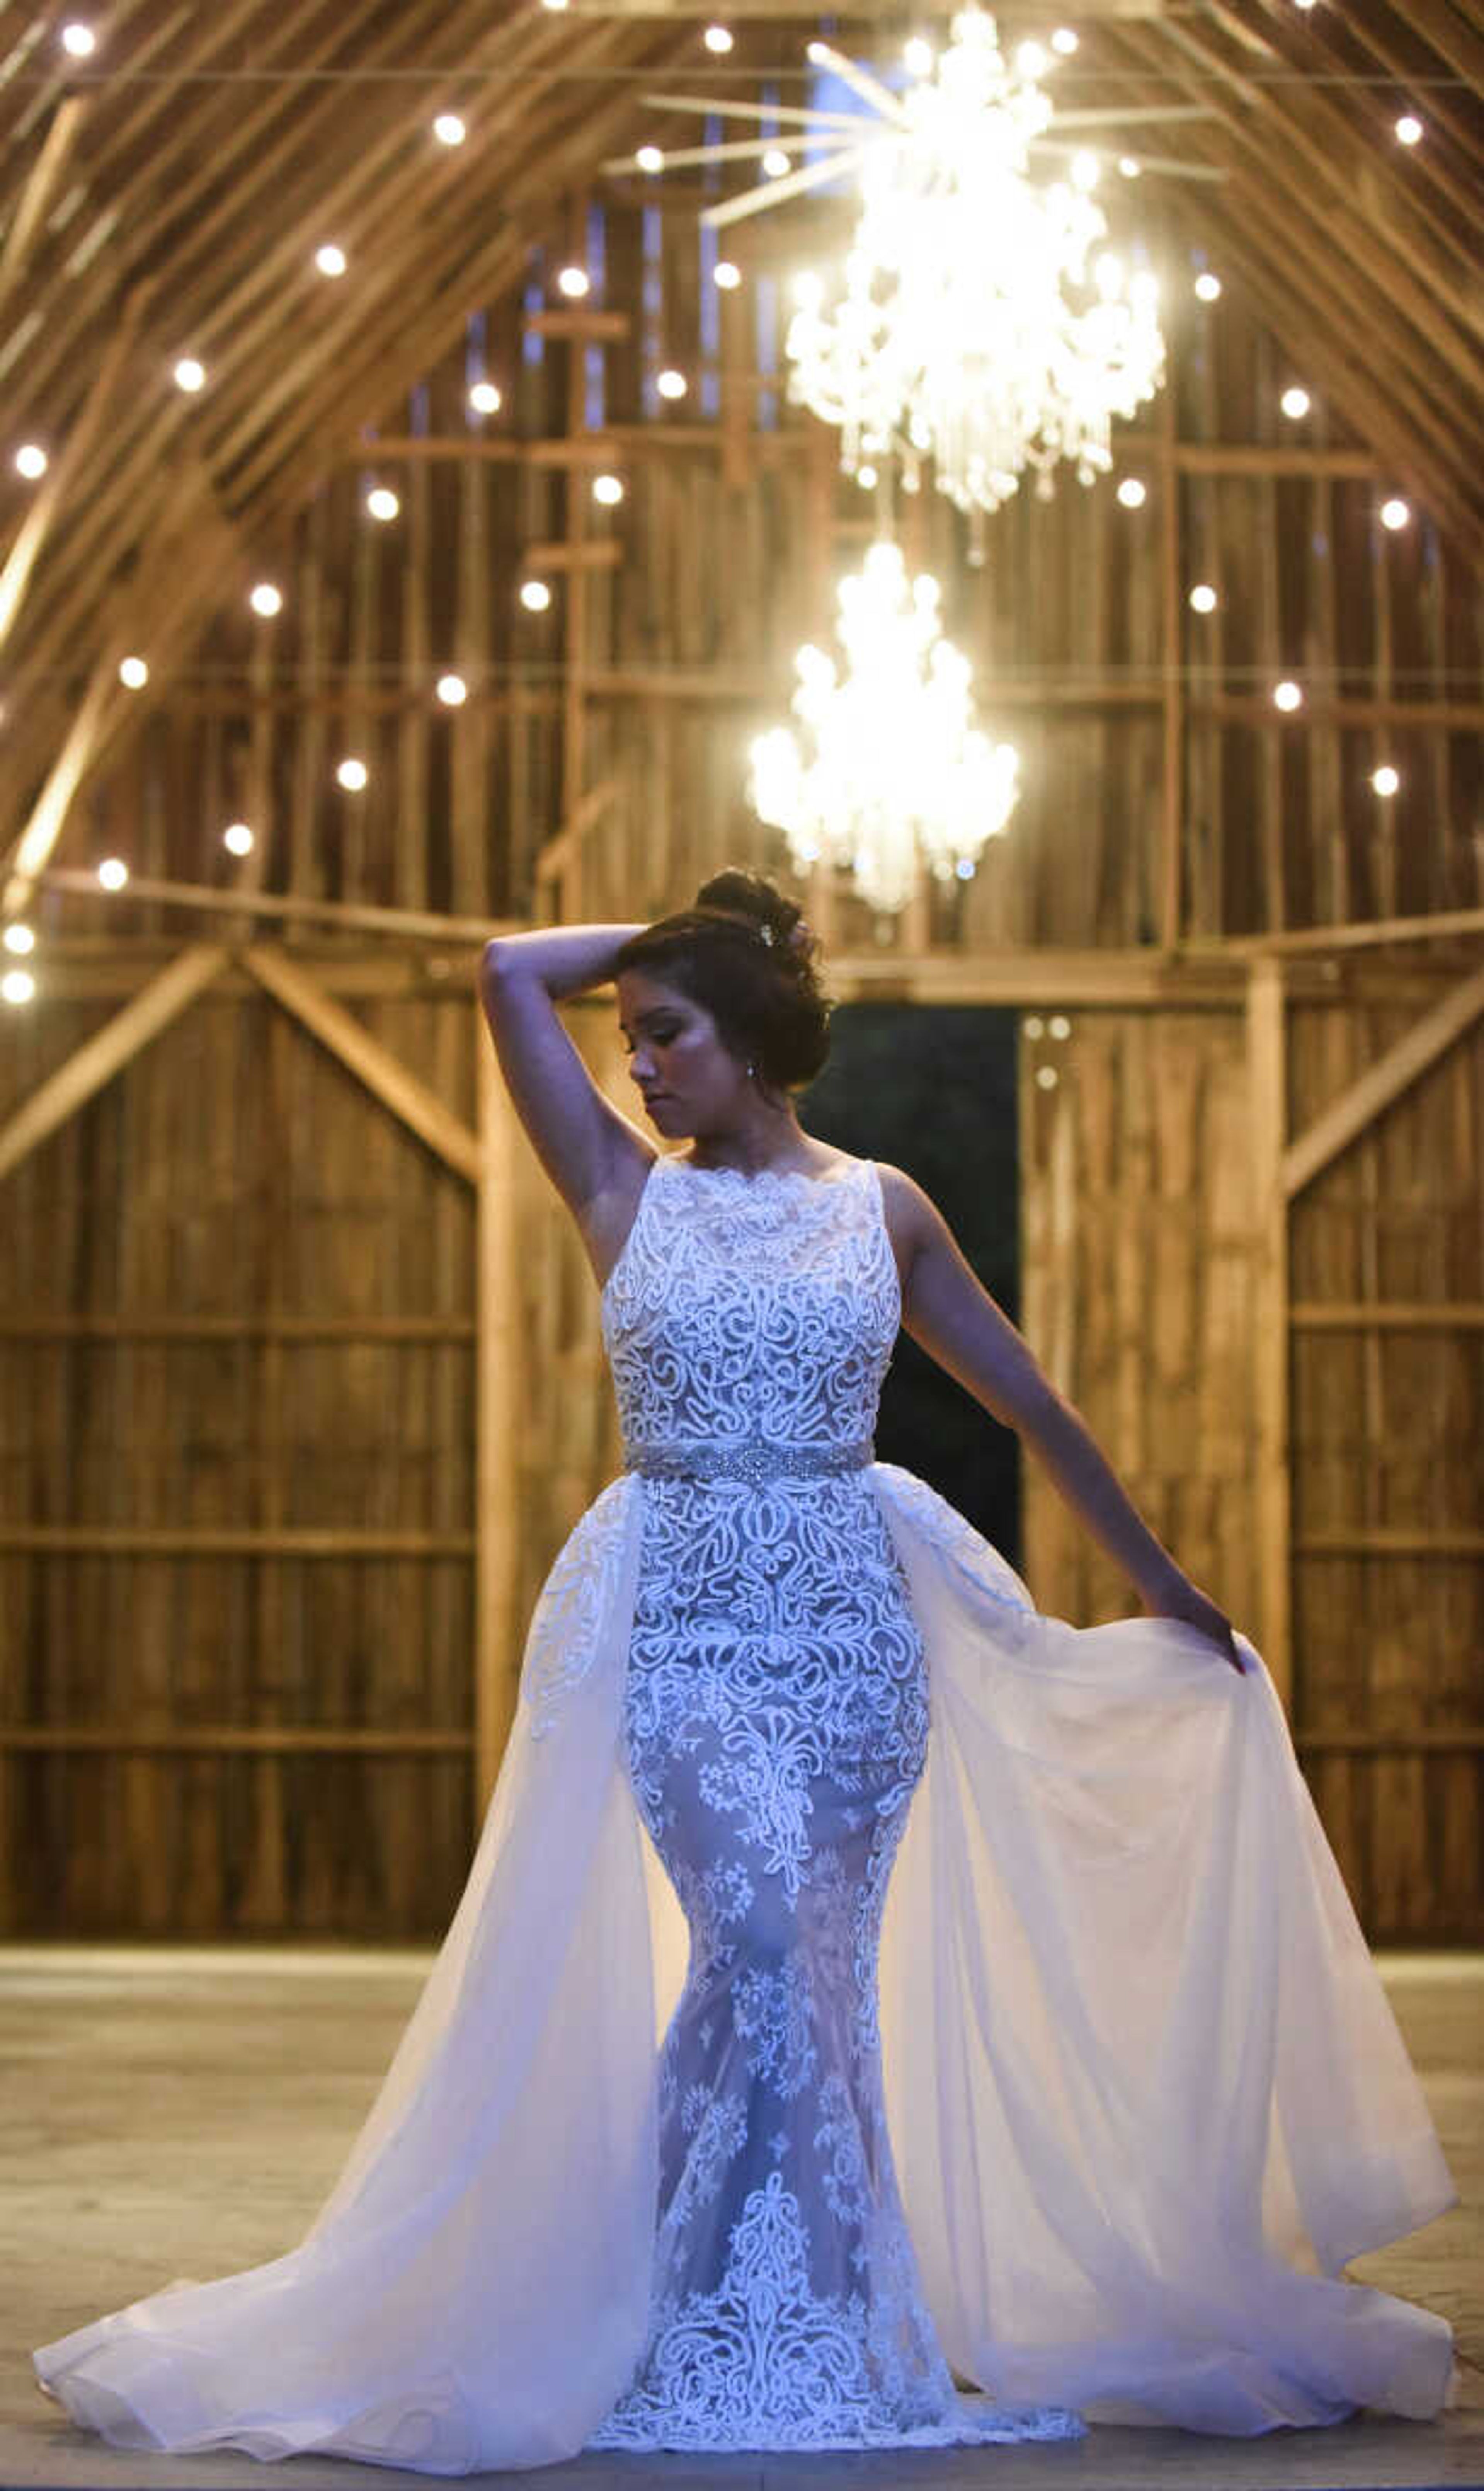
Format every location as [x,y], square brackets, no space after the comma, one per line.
[878,2014]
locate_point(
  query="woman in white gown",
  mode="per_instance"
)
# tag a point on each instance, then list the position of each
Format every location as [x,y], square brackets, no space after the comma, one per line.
[877,2014]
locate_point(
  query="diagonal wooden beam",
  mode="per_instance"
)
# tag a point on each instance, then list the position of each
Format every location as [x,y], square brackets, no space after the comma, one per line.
[39,192]
[35,526]
[409,1098]
[97,1061]
[1381,1083]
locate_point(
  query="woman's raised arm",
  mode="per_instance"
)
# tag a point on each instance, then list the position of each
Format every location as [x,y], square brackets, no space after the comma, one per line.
[946,1309]
[583,1142]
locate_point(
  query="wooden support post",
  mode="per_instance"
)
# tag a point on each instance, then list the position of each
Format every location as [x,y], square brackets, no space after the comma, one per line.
[99,1057]
[1266,1073]
[1173,806]
[498,1401]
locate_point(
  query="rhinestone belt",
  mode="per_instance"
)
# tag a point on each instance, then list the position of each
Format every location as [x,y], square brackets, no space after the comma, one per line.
[755,1461]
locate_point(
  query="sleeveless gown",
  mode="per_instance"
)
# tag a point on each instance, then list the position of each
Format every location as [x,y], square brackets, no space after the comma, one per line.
[878,2014]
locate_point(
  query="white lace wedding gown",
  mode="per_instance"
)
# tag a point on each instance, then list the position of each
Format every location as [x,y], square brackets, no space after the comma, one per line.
[860,1974]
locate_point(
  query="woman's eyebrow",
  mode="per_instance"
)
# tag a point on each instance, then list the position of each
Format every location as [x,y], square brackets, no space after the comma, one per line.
[654,1012]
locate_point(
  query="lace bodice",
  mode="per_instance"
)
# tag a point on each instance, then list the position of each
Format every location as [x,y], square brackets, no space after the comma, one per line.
[757,1308]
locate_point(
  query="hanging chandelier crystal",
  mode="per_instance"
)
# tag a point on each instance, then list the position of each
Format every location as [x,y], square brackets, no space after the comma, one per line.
[892,769]
[980,321]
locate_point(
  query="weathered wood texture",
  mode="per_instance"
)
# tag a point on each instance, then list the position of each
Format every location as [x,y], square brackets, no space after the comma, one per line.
[1142,1250]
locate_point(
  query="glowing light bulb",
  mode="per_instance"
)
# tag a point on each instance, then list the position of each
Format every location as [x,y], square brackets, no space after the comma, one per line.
[1065,41]
[1295,404]
[31,460]
[266,600]
[865,478]
[238,837]
[1031,61]
[18,986]
[113,874]
[382,502]
[353,775]
[1059,1026]
[607,489]
[716,39]
[1131,493]
[1202,599]
[190,375]
[727,275]
[554,5]
[671,384]
[1394,513]
[134,674]
[1130,167]
[19,938]
[452,691]
[450,131]
[78,40]
[651,159]
[1207,286]
[331,260]
[573,283]
[919,57]
[534,595]
[1287,696]
[1085,169]
[775,163]
[1409,129]
[1385,780]
[485,398]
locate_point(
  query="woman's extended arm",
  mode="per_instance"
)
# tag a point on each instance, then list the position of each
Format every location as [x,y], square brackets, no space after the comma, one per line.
[585,1147]
[950,1314]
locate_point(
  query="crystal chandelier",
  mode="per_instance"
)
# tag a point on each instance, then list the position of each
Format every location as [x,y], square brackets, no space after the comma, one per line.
[892,767]
[980,321]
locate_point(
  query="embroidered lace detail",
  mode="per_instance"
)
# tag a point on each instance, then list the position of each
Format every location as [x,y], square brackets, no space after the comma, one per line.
[577,1593]
[775,1724]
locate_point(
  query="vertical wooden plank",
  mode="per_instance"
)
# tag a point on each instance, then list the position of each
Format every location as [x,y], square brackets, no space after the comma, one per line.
[498,1406]
[1267,1077]
[1173,759]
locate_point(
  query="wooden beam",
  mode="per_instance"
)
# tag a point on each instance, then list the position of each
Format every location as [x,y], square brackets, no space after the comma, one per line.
[66,466]
[1382,1083]
[362,1055]
[1267,1083]
[497,1654]
[124,1738]
[76,1539]
[37,191]
[414,925]
[602,553]
[554,858]
[1358,935]
[1387,1314]
[97,1061]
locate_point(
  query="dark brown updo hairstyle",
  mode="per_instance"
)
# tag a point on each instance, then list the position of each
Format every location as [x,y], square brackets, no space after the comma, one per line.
[745,954]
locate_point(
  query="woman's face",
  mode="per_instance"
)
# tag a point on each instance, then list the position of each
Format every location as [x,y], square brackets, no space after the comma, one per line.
[690,1081]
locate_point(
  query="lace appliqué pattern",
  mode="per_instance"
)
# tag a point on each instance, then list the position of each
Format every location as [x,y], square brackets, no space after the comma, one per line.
[776,1723]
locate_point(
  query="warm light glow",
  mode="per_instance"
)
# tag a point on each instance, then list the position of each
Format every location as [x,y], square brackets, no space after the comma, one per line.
[19,938]
[134,674]
[1130,167]
[353,776]
[1385,780]
[113,874]
[1286,695]
[382,502]
[78,40]
[554,4]
[866,477]
[238,837]
[671,384]
[452,691]
[573,283]
[1202,599]
[1394,513]
[1131,493]
[485,398]
[31,460]
[266,600]
[534,595]
[716,39]
[607,489]
[1059,1026]
[450,131]
[960,326]
[775,163]
[1207,286]
[1409,129]
[889,771]
[918,54]
[190,375]
[727,275]
[651,159]
[18,986]
[1064,42]
[1295,404]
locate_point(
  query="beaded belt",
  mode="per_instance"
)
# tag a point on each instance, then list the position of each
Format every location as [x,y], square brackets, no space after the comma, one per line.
[755,1461]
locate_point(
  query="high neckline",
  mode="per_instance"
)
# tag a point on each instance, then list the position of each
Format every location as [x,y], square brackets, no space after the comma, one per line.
[764,1178]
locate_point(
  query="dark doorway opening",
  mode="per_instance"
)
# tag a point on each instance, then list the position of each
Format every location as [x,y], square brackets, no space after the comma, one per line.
[932,1088]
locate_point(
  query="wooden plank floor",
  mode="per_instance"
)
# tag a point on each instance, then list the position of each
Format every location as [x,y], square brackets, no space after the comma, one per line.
[183,2111]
